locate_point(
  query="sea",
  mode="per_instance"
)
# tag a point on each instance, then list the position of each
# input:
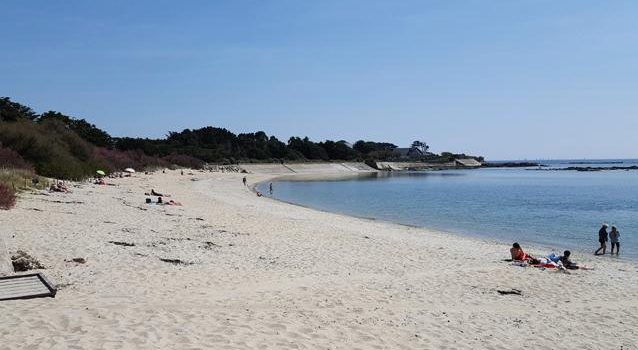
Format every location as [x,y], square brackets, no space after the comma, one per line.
[545,207]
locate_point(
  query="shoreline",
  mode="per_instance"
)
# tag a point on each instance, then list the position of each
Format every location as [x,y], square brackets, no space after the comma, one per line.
[529,246]
[252,274]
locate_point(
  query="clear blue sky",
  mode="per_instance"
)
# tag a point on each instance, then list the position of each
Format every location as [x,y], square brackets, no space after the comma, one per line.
[506,79]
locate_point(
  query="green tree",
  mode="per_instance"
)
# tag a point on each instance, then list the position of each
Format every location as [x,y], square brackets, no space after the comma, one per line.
[12,111]
[84,129]
[421,146]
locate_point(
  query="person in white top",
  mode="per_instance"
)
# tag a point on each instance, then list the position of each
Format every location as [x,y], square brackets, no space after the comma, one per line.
[614,237]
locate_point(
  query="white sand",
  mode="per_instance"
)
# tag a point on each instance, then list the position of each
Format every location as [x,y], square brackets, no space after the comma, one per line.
[278,276]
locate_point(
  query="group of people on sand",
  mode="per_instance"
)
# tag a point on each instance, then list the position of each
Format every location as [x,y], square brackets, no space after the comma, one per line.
[604,236]
[244,180]
[518,254]
[58,186]
[160,200]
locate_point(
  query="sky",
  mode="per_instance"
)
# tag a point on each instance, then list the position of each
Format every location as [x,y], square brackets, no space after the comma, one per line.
[504,79]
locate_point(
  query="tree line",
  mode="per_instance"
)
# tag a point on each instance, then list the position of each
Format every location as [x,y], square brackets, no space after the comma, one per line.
[63,146]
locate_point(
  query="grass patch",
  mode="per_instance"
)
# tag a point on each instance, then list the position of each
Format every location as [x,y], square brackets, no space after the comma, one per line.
[13,181]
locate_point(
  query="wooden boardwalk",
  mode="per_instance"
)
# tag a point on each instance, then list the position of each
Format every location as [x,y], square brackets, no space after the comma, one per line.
[25,287]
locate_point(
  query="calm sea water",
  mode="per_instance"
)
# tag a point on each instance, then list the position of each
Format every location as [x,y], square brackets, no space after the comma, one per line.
[554,209]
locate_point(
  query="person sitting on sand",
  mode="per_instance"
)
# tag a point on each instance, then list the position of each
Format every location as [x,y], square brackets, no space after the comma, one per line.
[58,186]
[159,200]
[567,263]
[602,239]
[156,193]
[63,187]
[614,238]
[518,253]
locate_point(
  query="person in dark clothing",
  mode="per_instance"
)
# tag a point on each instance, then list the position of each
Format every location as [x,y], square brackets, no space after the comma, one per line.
[270,188]
[570,265]
[244,180]
[602,239]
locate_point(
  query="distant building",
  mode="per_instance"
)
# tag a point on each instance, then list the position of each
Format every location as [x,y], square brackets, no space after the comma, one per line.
[467,163]
[410,152]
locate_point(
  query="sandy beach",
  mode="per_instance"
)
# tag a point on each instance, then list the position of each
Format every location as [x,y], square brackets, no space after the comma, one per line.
[248,272]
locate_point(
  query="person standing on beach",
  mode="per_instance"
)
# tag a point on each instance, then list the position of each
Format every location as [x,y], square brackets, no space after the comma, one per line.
[270,188]
[602,239]
[244,181]
[614,237]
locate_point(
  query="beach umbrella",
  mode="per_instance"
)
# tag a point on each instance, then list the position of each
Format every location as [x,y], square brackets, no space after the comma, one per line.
[101,172]
[129,170]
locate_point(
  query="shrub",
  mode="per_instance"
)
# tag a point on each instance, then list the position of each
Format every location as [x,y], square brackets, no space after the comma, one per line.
[18,179]
[7,197]
[115,160]
[12,159]
[54,150]
[184,161]
[12,180]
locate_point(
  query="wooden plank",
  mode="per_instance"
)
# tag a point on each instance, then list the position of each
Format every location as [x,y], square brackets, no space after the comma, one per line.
[18,281]
[25,287]
[31,284]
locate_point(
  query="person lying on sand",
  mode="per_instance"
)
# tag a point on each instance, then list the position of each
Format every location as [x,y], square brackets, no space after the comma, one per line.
[161,201]
[153,193]
[518,253]
[62,186]
[58,186]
